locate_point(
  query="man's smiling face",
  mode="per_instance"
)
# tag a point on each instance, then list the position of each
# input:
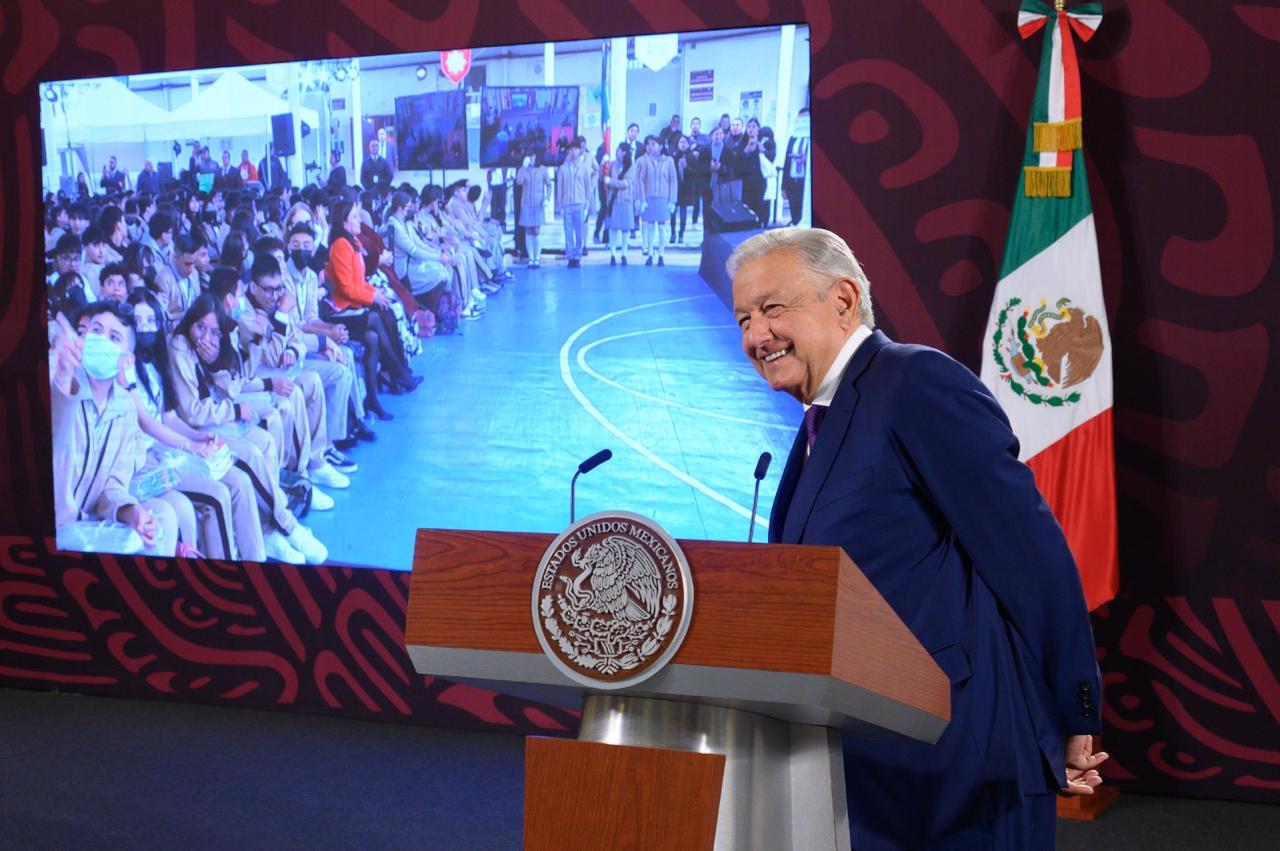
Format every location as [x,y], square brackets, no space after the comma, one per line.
[793,326]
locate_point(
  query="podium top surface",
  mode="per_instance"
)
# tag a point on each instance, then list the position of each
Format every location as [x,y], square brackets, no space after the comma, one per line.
[794,632]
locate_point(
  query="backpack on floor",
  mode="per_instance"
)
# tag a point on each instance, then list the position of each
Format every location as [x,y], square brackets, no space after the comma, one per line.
[426,321]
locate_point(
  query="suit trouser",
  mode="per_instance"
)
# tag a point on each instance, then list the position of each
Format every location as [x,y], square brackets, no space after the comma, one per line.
[794,187]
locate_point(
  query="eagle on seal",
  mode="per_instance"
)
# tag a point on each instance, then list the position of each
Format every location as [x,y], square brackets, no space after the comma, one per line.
[625,582]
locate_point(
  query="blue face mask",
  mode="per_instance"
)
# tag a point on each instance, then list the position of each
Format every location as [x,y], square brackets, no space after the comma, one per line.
[101,357]
[241,308]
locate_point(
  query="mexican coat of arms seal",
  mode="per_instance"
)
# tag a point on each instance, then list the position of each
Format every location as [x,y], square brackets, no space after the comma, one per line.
[612,600]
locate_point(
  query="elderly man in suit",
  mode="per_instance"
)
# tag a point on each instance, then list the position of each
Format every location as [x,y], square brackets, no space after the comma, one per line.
[908,463]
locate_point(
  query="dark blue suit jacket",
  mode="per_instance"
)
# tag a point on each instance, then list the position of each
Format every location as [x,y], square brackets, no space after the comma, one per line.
[915,474]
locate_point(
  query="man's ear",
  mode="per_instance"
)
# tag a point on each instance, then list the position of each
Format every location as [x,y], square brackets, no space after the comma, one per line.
[846,294]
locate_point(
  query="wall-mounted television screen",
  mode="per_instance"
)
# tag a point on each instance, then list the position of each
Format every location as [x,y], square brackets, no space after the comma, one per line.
[222,385]
[520,121]
[431,130]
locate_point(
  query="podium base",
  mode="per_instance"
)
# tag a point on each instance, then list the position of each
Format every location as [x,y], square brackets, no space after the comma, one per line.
[783,783]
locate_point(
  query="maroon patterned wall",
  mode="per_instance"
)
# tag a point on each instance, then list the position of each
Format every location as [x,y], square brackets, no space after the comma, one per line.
[919,118]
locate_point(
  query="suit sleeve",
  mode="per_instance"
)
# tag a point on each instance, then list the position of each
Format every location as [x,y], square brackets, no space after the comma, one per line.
[961,447]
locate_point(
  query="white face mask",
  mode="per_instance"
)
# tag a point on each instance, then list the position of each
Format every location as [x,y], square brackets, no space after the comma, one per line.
[101,357]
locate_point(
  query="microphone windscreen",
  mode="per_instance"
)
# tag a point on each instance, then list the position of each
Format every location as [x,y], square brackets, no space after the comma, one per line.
[595,460]
[762,466]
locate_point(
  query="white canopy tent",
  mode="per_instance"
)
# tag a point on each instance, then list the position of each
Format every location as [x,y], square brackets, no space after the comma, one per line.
[110,112]
[231,106]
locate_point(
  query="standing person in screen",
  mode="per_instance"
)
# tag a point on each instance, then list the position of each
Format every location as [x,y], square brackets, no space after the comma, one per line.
[113,179]
[228,174]
[337,173]
[620,204]
[668,136]
[757,154]
[796,166]
[686,176]
[535,182]
[149,180]
[573,200]
[248,171]
[95,428]
[721,164]
[908,464]
[376,172]
[656,188]
[699,168]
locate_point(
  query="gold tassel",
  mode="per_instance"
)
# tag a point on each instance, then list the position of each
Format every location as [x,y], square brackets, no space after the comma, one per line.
[1051,136]
[1051,182]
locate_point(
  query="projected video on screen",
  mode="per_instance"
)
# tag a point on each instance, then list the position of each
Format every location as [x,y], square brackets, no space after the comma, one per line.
[431,131]
[526,121]
[296,312]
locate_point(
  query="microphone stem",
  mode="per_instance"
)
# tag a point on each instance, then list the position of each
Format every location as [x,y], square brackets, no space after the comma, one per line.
[573,485]
[751,531]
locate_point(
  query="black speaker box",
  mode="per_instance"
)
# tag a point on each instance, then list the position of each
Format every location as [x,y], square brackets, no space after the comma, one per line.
[282,134]
[730,216]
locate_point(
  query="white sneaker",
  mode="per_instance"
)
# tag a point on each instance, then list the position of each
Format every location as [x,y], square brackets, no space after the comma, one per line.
[302,540]
[277,547]
[320,501]
[329,477]
[479,295]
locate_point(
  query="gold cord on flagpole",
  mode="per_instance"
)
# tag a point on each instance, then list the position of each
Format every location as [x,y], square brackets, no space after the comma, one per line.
[1059,5]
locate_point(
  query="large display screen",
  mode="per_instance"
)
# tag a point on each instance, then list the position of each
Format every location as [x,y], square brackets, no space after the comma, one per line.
[431,131]
[307,357]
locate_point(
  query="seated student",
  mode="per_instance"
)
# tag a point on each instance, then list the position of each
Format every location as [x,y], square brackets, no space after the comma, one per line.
[483,235]
[56,222]
[95,257]
[431,228]
[116,231]
[159,237]
[279,346]
[67,295]
[296,418]
[113,284]
[323,355]
[78,218]
[231,528]
[206,370]
[179,284]
[68,256]
[360,307]
[94,429]
[419,266]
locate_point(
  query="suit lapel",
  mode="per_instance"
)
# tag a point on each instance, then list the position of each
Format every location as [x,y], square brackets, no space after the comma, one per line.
[786,487]
[815,469]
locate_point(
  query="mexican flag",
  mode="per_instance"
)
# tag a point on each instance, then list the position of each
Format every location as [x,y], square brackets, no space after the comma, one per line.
[1047,354]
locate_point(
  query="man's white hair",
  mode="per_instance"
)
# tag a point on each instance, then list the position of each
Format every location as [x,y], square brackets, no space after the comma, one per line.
[824,252]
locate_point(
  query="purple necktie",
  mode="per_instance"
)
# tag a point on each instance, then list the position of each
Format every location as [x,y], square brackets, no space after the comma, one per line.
[813,421]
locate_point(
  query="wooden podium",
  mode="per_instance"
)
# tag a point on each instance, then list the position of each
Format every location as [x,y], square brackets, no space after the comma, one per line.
[736,742]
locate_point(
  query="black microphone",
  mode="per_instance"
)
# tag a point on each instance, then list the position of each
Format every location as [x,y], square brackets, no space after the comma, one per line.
[585,467]
[762,467]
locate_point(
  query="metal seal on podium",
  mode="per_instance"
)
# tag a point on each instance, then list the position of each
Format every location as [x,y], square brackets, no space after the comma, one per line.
[612,600]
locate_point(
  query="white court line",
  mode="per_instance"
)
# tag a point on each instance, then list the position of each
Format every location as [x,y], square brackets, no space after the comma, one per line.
[582,362]
[567,377]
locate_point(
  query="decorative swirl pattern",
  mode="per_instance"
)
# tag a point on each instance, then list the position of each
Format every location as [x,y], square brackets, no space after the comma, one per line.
[919,115]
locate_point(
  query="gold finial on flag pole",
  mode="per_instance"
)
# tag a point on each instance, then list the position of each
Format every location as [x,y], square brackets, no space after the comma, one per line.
[1059,5]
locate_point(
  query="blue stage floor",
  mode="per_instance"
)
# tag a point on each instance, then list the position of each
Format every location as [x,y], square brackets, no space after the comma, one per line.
[645,361]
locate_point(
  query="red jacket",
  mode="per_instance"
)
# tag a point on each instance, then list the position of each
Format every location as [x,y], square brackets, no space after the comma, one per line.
[345,274]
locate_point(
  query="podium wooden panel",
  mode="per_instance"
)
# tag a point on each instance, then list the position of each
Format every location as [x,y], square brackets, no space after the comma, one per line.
[795,632]
[585,796]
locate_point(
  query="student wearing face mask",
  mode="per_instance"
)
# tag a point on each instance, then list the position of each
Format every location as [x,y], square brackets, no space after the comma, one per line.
[208,374]
[262,364]
[230,527]
[326,342]
[94,430]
